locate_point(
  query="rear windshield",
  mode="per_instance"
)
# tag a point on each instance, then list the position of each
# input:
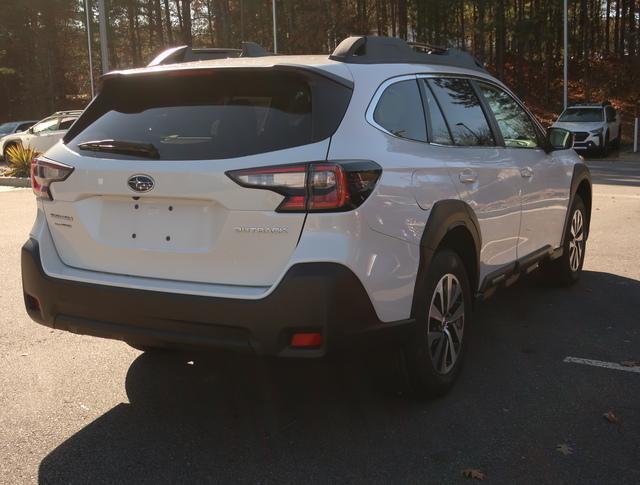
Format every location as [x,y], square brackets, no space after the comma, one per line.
[213,114]
[585,115]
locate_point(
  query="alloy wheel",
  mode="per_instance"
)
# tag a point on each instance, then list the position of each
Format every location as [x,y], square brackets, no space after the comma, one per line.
[446,323]
[576,241]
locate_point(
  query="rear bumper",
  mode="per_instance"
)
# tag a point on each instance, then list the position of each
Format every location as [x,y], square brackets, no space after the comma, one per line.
[312,297]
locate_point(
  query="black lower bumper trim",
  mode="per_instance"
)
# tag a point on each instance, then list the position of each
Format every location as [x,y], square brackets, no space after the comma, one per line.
[320,297]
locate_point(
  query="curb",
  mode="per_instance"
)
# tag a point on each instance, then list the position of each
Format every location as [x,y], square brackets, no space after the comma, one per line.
[15,182]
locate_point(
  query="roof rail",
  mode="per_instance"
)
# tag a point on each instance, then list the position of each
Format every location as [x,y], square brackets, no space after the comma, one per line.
[68,112]
[392,50]
[592,104]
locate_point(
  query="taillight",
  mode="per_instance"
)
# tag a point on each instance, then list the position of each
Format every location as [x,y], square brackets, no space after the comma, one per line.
[314,187]
[44,172]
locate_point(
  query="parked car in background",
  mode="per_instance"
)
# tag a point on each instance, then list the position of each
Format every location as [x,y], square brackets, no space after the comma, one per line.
[12,127]
[42,135]
[595,127]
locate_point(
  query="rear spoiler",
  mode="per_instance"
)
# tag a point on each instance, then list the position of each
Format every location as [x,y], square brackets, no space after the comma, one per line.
[178,70]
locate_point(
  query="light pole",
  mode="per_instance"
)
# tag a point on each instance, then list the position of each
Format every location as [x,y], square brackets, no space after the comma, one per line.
[104,51]
[566,54]
[275,35]
[86,8]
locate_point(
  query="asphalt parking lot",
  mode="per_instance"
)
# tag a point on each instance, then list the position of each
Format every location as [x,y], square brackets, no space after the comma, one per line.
[83,410]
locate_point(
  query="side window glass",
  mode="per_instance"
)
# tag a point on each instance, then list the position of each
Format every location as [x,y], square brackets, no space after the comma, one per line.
[463,112]
[399,111]
[66,123]
[515,124]
[46,125]
[439,130]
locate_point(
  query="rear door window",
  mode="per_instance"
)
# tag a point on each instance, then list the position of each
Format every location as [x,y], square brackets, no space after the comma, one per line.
[66,123]
[399,111]
[463,111]
[213,114]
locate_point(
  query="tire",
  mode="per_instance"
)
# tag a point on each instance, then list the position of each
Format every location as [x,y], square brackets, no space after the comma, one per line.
[566,270]
[425,366]
[616,143]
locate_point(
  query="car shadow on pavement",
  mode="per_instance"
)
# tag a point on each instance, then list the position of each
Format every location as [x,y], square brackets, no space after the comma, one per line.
[222,418]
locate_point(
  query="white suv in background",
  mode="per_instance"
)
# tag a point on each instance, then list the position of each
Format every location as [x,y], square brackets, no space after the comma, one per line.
[595,127]
[292,205]
[42,135]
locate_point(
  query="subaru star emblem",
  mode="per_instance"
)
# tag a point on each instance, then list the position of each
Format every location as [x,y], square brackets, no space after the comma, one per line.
[140,183]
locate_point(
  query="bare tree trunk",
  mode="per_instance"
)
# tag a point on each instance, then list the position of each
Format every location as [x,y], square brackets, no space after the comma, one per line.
[157,15]
[402,18]
[187,37]
[167,19]
[616,29]
[500,38]
[480,26]
[133,40]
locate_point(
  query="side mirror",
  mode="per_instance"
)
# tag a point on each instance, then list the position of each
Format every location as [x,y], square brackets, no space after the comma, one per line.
[560,139]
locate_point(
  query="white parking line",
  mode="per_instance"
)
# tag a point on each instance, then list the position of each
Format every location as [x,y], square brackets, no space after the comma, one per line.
[618,196]
[599,363]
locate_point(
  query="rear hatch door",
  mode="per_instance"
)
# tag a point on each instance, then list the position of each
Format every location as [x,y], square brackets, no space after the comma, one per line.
[167,209]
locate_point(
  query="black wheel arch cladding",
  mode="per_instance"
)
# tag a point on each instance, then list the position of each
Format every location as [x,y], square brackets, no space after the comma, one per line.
[446,217]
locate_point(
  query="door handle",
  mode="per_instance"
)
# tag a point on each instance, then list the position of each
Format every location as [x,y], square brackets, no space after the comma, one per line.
[526,172]
[468,176]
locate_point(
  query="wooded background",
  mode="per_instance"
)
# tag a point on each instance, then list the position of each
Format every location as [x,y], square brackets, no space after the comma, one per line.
[44,64]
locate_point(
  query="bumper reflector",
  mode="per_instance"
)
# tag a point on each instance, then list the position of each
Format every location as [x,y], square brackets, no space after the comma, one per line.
[307,339]
[32,302]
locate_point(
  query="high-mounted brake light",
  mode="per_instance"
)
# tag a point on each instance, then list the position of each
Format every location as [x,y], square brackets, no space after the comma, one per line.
[314,187]
[44,172]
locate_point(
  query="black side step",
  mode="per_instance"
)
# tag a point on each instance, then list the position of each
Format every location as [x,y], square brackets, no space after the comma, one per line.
[508,275]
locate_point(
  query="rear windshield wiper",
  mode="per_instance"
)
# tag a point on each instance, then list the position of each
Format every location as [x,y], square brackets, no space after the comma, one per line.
[147,150]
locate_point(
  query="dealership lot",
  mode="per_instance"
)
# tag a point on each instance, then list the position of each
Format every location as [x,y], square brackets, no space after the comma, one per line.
[544,366]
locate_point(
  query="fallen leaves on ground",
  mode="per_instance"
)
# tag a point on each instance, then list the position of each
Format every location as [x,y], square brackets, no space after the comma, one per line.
[473,473]
[565,449]
[611,417]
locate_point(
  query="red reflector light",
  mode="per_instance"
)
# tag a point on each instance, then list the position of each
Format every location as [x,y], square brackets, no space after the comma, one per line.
[306,339]
[32,302]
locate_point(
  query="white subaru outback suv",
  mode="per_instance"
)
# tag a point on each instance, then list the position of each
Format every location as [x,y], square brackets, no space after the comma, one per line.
[595,127]
[291,205]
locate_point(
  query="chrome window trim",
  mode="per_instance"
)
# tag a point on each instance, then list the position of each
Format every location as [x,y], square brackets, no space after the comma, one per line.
[488,81]
[373,104]
[405,77]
